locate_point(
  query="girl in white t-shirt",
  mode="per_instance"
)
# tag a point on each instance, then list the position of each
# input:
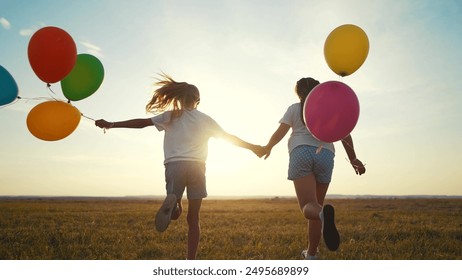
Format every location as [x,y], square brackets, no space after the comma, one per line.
[310,168]
[187,131]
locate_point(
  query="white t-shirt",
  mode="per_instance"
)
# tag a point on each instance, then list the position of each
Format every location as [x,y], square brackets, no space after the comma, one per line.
[300,134]
[186,138]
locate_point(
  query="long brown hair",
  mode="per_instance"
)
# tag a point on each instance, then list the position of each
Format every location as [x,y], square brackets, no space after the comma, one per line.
[303,88]
[173,95]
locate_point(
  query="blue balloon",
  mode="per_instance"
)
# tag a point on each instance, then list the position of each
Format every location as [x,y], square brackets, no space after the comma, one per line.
[8,87]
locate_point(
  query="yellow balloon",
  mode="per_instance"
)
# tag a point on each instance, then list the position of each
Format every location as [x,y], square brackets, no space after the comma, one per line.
[346,49]
[53,120]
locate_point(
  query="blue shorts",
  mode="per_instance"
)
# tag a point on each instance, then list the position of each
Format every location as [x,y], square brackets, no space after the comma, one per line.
[304,161]
[189,175]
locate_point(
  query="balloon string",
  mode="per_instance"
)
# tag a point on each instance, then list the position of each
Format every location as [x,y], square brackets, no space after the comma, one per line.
[49,88]
[353,163]
[348,144]
[318,150]
[9,104]
[37,98]
[28,99]
[92,119]
[87,117]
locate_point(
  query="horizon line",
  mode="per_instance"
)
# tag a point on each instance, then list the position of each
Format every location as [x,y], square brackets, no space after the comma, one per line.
[218,197]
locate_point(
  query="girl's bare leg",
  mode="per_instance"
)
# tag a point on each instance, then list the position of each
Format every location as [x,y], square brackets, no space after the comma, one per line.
[311,196]
[194,206]
[314,226]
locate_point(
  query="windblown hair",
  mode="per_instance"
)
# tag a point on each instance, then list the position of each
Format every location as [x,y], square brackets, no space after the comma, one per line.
[172,95]
[303,88]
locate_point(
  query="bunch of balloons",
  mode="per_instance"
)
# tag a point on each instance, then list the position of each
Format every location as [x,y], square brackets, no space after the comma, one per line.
[53,57]
[331,110]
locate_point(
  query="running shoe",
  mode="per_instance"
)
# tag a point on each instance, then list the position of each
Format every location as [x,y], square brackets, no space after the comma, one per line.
[306,256]
[164,215]
[329,231]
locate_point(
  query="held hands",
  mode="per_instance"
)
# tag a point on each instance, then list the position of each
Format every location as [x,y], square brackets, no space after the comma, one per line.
[267,151]
[261,151]
[258,150]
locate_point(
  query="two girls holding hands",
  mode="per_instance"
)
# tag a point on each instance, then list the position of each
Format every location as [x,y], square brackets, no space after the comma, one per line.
[187,131]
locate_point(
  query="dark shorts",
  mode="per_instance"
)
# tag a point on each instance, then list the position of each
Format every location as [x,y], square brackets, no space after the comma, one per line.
[189,175]
[304,160]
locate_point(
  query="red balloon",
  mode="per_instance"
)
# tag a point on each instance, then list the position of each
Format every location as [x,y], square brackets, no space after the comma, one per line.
[331,111]
[52,54]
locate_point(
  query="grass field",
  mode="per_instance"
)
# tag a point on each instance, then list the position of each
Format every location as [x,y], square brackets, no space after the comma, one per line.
[94,229]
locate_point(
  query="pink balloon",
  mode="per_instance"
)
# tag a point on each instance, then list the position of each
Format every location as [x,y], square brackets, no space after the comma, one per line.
[331,111]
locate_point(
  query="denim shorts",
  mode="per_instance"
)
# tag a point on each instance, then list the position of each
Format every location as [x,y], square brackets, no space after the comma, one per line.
[304,160]
[189,175]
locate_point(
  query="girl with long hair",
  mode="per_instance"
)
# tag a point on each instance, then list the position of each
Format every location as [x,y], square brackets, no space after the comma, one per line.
[187,131]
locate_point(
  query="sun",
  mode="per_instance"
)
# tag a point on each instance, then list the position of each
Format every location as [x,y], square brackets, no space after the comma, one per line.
[225,158]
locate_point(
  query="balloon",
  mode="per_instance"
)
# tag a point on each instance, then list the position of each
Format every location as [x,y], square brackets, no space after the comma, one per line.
[84,79]
[331,111]
[8,87]
[52,54]
[53,120]
[346,49]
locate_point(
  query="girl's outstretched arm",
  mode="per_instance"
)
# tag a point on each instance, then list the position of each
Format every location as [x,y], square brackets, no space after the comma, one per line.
[134,123]
[277,136]
[350,150]
[258,150]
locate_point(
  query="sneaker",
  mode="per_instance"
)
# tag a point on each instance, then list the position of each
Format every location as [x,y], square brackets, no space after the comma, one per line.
[176,213]
[164,215]
[306,256]
[329,231]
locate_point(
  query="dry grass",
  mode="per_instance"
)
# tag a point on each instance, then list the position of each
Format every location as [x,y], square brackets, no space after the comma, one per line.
[231,229]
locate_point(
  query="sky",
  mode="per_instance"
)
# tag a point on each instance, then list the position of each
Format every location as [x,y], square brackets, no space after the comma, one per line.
[245,57]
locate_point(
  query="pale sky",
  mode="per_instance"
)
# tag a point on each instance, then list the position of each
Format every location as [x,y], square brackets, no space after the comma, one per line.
[245,57]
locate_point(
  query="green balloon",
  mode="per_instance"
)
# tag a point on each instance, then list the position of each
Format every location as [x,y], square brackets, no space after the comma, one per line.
[84,79]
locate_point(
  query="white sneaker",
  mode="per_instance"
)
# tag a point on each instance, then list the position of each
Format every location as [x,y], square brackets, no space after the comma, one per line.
[307,256]
[164,215]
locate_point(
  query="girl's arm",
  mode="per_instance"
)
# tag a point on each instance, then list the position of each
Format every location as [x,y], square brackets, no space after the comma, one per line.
[277,136]
[350,150]
[134,123]
[258,150]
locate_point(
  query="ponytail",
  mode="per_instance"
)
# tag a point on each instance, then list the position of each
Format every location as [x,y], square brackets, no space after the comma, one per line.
[303,88]
[302,105]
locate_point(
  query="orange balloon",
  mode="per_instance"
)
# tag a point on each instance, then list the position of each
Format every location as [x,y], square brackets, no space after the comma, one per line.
[53,120]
